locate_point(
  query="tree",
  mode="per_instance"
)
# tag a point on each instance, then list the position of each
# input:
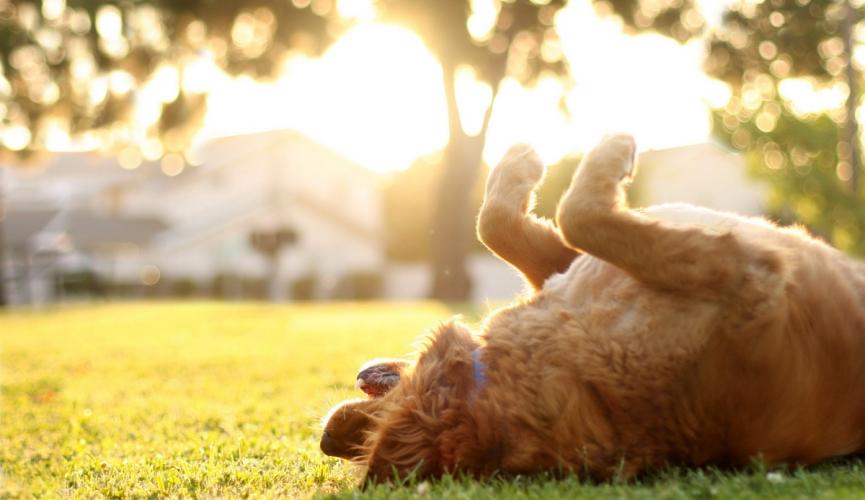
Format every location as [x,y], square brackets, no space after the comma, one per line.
[521,43]
[76,67]
[4,301]
[772,54]
[80,67]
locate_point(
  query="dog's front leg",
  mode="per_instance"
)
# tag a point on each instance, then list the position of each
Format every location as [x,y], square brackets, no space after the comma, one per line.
[530,244]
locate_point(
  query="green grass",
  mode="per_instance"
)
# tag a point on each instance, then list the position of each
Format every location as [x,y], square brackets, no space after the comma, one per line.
[180,400]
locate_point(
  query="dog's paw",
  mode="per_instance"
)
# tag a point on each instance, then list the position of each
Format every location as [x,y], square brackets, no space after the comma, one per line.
[597,184]
[379,376]
[616,152]
[521,165]
[511,182]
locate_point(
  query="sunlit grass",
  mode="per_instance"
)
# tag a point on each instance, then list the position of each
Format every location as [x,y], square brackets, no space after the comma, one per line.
[184,399]
[224,400]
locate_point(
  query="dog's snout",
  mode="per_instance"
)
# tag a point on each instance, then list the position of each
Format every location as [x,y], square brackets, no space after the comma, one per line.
[366,372]
[326,443]
[332,447]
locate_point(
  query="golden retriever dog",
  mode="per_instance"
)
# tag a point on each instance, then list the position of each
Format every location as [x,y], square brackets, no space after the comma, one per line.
[673,335]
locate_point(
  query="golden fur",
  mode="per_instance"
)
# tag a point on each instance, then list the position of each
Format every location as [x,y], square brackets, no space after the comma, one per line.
[675,336]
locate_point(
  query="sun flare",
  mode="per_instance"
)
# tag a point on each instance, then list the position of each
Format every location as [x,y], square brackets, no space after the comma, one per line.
[376,96]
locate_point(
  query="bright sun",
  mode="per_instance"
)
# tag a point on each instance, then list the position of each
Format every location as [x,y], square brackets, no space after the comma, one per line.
[376,96]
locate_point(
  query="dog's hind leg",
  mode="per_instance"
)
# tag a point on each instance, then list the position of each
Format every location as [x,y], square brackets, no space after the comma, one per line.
[530,244]
[593,217]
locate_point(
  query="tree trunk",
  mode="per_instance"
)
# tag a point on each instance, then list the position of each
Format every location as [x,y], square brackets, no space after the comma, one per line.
[453,222]
[851,131]
[4,300]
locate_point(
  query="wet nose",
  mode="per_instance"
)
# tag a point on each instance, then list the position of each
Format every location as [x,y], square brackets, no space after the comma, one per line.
[326,444]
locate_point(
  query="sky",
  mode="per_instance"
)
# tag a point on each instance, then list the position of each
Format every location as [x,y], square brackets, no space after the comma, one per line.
[376,95]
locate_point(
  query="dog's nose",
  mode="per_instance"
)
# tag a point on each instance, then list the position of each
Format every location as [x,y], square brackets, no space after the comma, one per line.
[326,443]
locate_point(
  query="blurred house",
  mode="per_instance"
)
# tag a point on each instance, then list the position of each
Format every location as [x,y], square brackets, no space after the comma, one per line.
[48,264]
[270,215]
[197,233]
[707,174]
[266,184]
[44,205]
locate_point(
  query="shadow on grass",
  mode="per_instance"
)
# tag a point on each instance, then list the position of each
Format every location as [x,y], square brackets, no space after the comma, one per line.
[840,478]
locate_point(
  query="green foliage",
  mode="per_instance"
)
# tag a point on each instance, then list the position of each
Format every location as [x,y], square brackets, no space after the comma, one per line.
[809,156]
[678,20]
[800,160]
[782,38]
[79,66]
[215,400]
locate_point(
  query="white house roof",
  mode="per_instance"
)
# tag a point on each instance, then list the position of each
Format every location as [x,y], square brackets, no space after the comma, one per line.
[85,228]
[243,143]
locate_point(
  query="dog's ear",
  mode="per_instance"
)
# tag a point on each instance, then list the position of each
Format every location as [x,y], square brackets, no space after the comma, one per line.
[446,363]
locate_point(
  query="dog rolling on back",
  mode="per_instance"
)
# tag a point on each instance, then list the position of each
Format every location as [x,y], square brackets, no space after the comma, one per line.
[676,335]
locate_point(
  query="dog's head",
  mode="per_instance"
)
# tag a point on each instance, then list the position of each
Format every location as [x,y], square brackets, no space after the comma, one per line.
[347,424]
[425,425]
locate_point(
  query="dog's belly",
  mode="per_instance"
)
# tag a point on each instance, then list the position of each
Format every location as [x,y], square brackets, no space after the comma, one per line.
[610,304]
[640,348]
[606,303]
[599,346]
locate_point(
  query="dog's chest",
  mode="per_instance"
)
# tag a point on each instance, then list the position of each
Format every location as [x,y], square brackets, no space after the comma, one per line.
[607,302]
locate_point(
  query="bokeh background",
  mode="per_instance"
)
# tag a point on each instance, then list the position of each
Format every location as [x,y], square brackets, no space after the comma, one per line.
[213,211]
[297,150]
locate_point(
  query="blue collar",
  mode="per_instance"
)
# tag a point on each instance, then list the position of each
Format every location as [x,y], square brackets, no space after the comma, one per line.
[479,368]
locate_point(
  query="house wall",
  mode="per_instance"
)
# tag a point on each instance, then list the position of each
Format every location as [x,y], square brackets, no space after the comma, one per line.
[254,182]
[703,174]
[263,182]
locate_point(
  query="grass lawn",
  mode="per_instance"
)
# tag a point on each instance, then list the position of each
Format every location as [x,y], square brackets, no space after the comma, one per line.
[155,400]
